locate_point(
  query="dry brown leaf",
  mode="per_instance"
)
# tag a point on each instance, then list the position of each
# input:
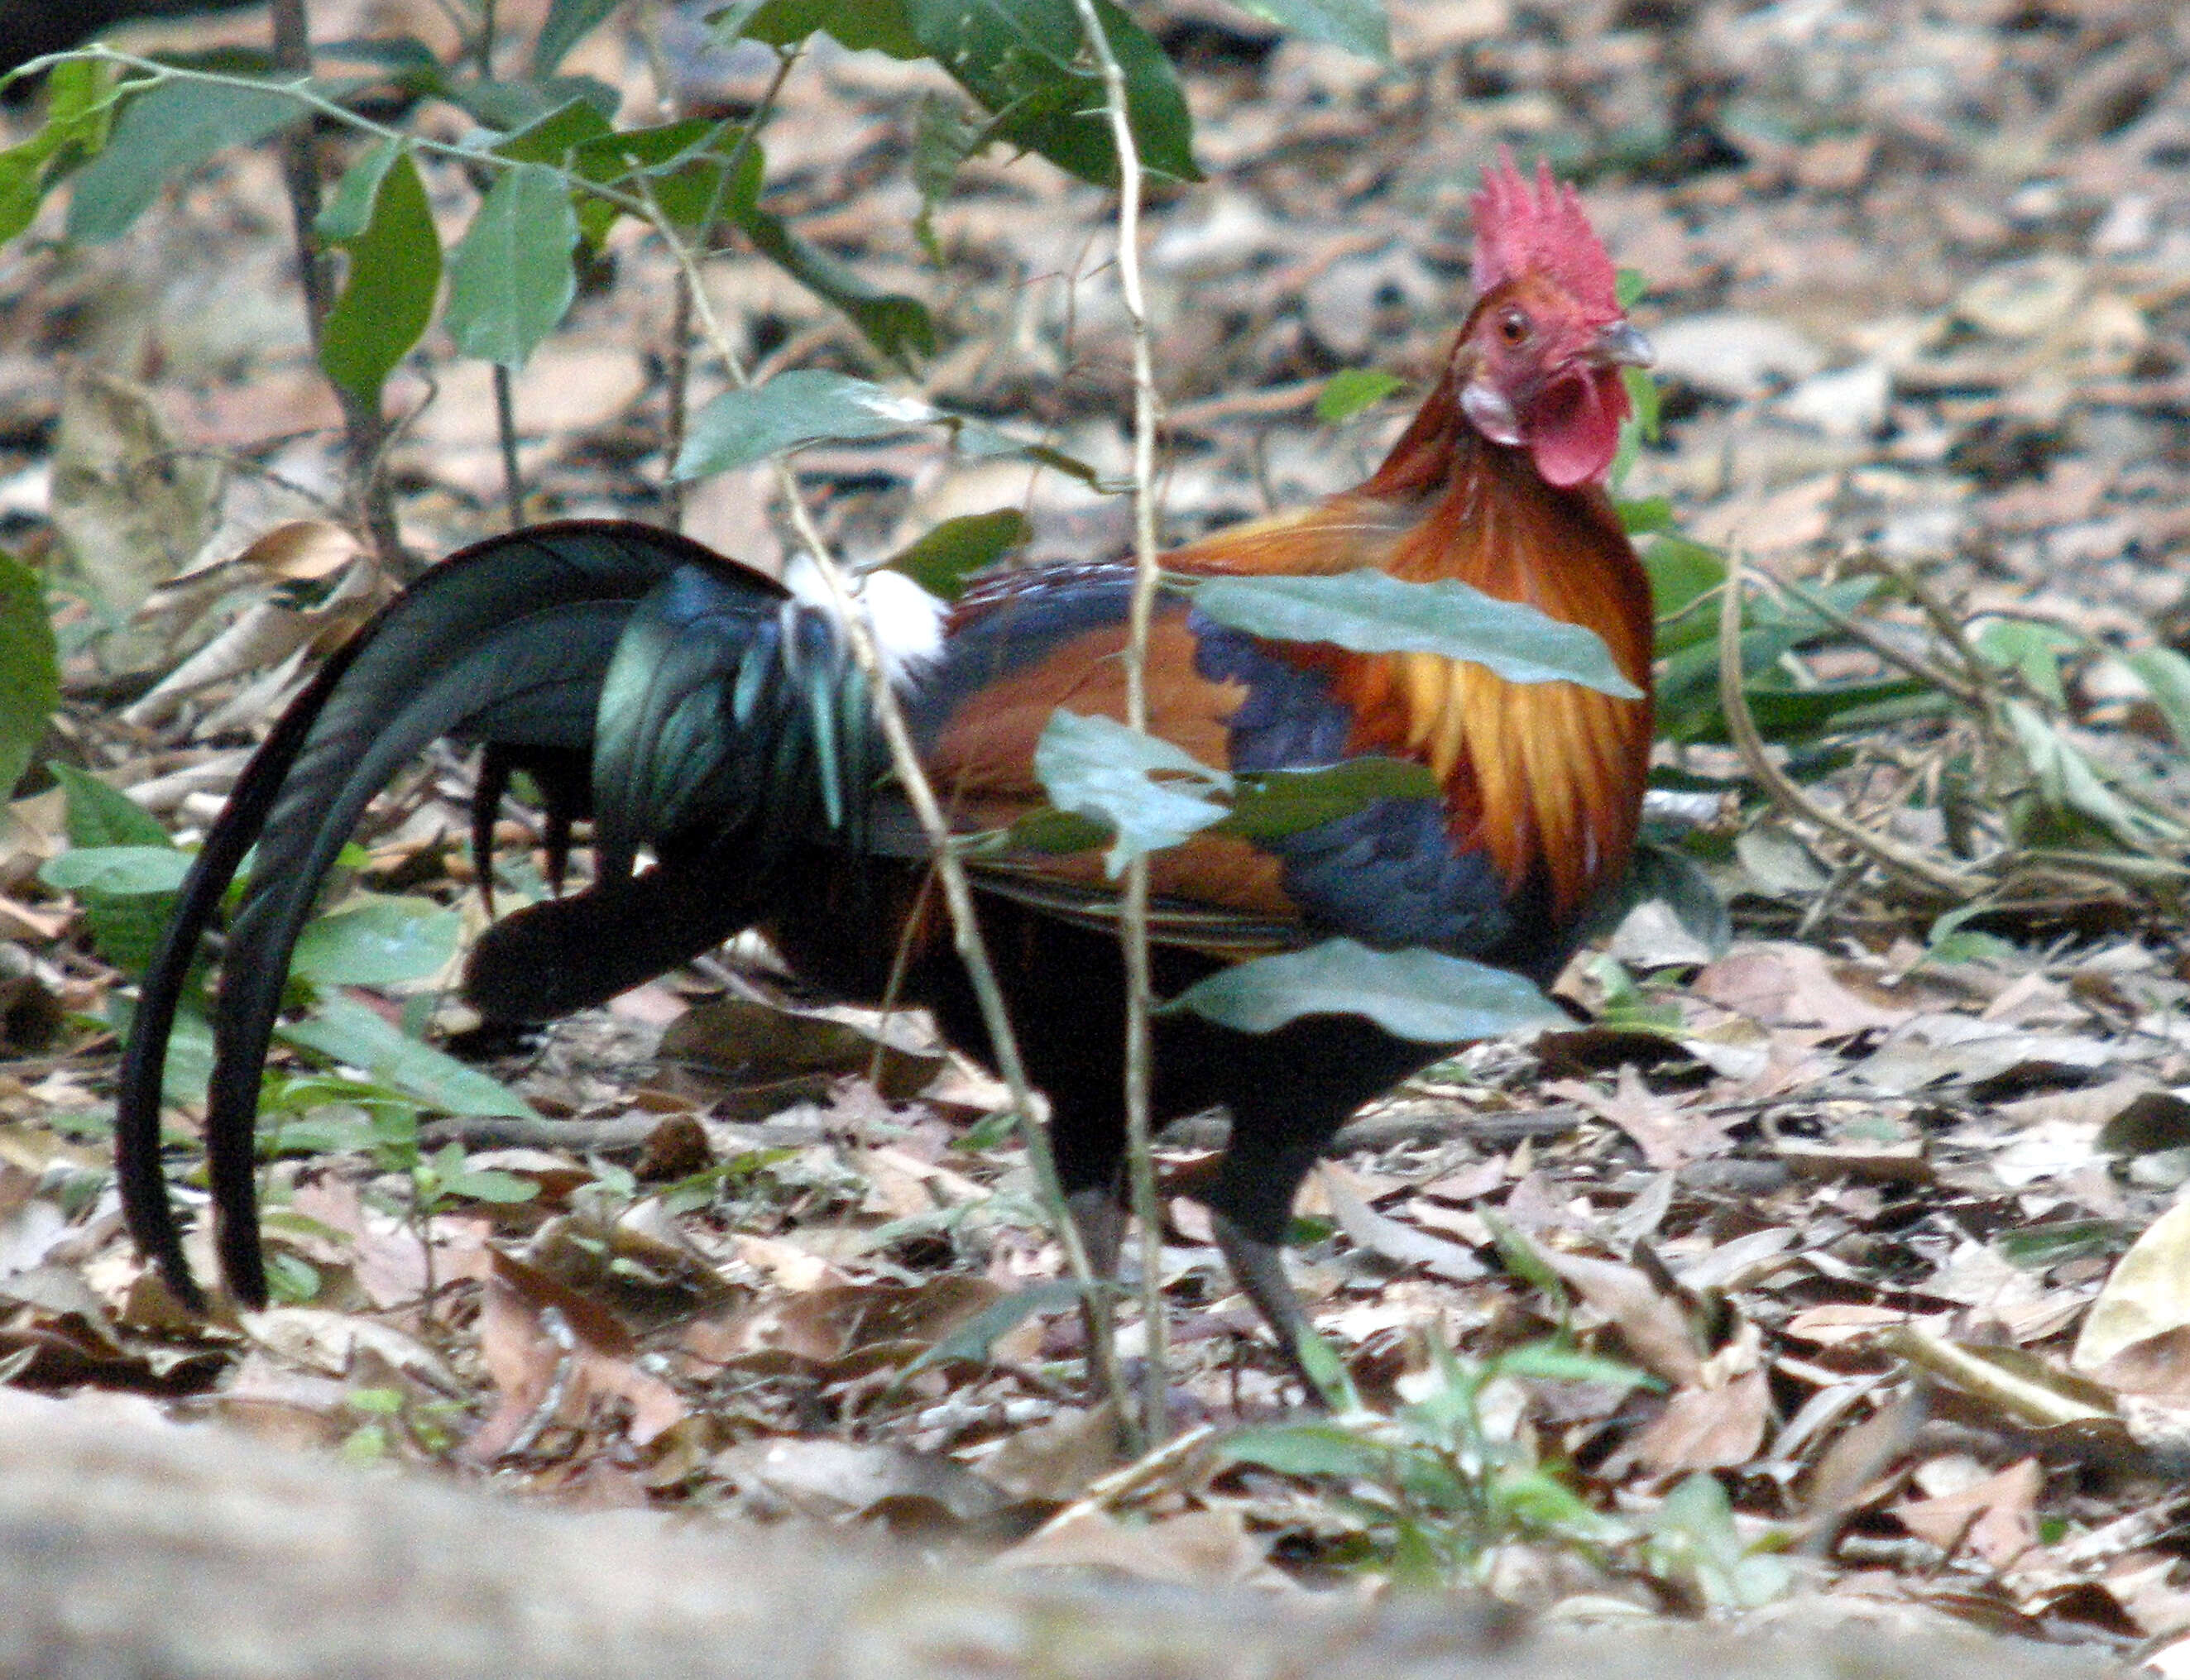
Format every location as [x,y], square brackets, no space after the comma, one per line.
[1202,1548]
[1705,1428]
[1992,1518]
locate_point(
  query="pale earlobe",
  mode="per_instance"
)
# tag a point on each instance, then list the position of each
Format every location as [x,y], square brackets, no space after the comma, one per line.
[1489,412]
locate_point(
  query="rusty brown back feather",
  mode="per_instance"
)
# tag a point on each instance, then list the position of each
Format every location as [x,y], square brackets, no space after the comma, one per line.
[1546,777]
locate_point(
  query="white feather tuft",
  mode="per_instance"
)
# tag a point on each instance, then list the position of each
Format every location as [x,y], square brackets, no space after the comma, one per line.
[905,620]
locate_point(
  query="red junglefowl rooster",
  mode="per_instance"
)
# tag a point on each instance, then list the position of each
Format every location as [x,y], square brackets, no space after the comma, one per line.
[696,710]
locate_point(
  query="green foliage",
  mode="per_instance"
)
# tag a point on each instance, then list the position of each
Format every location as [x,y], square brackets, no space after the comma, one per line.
[1434,1489]
[1369,612]
[1347,392]
[169,130]
[378,942]
[30,669]
[122,867]
[511,279]
[347,1031]
[1023,60]
[1413,993]
[1357,26]
[381,217]
[945,556]
[802,406]
[76,115]
[1095,766]
[568,22]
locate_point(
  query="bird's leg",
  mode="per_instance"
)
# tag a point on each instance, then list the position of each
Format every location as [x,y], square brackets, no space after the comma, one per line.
[1102,1226]
[1259,1268]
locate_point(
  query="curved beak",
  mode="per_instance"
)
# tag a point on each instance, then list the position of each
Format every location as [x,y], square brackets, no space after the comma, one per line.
[1620,345]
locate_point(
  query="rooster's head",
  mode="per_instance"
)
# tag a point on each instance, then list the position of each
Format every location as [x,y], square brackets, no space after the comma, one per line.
[1542,350]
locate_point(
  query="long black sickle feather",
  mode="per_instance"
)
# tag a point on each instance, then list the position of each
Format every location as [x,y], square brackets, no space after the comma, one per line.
[505,642]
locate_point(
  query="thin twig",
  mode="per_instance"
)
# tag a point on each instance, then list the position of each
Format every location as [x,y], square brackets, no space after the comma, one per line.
[1133,920]
[365,426]
[1741,730]
[1848,625]
[505,429]
[919,792]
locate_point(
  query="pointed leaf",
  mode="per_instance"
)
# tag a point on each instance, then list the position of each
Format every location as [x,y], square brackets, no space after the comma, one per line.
[1352,389]
[568,22]
[116,871]
[1308,1449]
[29,671]
[861,25]
[1357,26]
[1280,802]
[940,561]
[350,1033]
[1095,767]
[387,298]
[802,406]
[99,815]
[2166,674]
[380,941]
[511,280]
[892,322]
[348,211]
[1416,994]
[77,112]
[1370,613]
[168,132]
[1023,60]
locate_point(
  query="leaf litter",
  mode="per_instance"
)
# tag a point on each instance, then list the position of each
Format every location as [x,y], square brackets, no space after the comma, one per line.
[1881,1199]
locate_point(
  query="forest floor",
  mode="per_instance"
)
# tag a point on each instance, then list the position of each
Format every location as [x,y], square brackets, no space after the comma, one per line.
[1853,1186]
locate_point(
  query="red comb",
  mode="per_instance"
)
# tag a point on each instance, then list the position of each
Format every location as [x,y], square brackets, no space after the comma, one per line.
[1518,231]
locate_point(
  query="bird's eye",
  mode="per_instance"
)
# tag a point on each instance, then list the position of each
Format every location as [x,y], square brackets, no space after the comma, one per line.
[1513,327]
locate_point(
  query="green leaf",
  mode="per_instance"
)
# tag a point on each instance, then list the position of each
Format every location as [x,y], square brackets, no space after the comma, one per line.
[2070,783]
[511,280]
[1095,767]
[942,140]
[190,1048]
[2166,674]
[2032,652]
[1058,832]
[30,669]
[348,210]
[972,1342]
[1275,803]
[1629,287]
[1307,1449]
[892,322]
[568,22]
[879,26]
[1549,1361]
[1023,60]
[508,107]
[804,406]
[122,868]
[1417,994]
[489,1183]
[1351,390]
[387,298]
[349,1032]
[940,561]
[380,941]
[1370,613]
[97,815]
[116,871]
[168,132]
[77,107]
[1357,26]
